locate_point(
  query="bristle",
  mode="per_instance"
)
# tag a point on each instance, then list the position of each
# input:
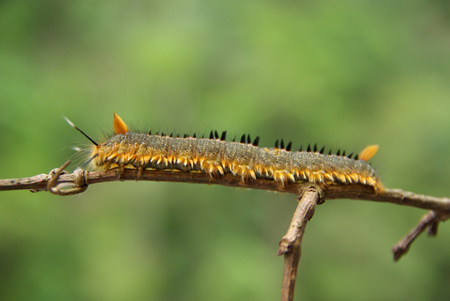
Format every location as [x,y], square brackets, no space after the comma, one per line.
[149,132]
[309,148]
[216,134]
[356,157]
[330,152]
[211,135]
[171,135]
[194,136]
[350,156]
[338,153]
[367,153]
[75,127]
[69,122]
[282,144]
[243,139]
[89,161]
[277,143]
[185,136]
[343,153]
[289,146]
[322,150]
[249,140]
[256,141]
[224,136]
[315,147]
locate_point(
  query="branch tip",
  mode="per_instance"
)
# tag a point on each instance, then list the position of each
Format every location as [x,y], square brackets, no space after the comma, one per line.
[429,221]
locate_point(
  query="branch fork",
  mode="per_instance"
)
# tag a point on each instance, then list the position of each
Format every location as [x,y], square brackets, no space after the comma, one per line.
[290,244]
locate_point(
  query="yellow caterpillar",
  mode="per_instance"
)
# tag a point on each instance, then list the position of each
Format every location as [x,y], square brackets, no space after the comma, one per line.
[215,156]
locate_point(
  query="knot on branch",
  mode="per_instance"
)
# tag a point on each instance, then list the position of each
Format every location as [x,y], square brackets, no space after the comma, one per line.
[78,183]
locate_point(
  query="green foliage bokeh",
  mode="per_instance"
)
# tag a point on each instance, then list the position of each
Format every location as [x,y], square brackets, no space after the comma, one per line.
[339,73]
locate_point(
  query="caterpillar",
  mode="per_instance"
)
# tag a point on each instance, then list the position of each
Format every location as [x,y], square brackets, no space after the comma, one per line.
[215,156]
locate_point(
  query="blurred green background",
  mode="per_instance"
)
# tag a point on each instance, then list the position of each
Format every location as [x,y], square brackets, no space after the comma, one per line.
[343,74]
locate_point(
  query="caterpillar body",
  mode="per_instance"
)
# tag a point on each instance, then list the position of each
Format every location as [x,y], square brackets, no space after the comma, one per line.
[215,156]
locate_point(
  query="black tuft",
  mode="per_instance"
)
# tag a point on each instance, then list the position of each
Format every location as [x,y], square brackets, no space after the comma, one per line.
[157,133]
[322,150]
[185,136]
[350,156]
[282,144]
[338,152]
[243,139]
[289,146]
[315,147]
[234,139]
[249,140]
[356,157]
[300,148]
[211,135]
[277,143]
[216,134]
[343,153]
[256,141]
[149,132]
[330,152]
[309,148]
[171,134]
[194,136]
[224,135]
[203,136]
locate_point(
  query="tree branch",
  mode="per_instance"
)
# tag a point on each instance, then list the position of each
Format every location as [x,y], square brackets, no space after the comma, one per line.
[430,220]
[80,178]
[290,244]
[61,182]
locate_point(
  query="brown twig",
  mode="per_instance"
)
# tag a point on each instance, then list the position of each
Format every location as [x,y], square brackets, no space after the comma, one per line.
[63,183]
[78,186]
[82,178]
[430,220]
[290,244]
